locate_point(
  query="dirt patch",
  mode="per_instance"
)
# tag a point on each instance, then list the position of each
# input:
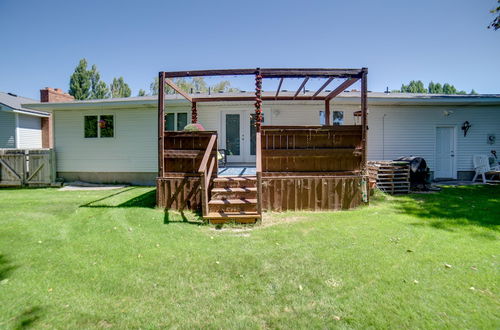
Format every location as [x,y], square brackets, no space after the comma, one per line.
[79,185]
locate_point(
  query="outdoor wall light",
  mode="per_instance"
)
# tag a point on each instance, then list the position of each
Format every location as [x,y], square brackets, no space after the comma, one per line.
[465,127]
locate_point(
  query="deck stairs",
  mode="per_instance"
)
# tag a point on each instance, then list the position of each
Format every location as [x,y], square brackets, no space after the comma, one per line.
[233,199]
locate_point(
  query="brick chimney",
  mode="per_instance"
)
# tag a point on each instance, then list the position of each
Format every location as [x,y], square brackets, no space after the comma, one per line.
[53,95]
[48,94]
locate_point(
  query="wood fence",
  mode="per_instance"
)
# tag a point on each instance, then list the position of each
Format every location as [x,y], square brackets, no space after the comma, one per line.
[27,167]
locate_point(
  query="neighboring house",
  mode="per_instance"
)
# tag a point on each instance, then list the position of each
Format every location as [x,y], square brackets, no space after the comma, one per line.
[21,127]
[115,140]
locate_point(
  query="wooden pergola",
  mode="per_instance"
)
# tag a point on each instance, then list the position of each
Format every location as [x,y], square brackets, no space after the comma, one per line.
[336,179]
[349,77]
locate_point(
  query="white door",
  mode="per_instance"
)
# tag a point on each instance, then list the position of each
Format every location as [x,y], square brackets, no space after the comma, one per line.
[238,135]
[445,153]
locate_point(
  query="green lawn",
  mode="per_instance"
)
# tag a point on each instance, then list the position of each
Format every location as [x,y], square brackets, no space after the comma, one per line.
[99,259]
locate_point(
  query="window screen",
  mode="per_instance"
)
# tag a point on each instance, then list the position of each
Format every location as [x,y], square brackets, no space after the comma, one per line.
[90,126]
[170,122]
[106,125]
[181,120]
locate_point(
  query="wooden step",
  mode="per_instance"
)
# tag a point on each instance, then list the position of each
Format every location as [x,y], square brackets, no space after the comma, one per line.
[235,182]
[232,205]
[234,193]
[239,217]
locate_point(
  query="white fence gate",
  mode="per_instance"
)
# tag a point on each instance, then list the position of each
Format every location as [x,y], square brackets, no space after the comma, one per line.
[27,167]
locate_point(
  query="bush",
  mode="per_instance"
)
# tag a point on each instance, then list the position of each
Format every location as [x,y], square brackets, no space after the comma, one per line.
[194,128]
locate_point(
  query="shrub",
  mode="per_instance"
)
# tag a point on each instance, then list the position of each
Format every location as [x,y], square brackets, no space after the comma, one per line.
[194,128]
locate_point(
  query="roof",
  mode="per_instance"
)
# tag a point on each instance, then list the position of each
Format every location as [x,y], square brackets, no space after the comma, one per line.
[352,97]
[15,103]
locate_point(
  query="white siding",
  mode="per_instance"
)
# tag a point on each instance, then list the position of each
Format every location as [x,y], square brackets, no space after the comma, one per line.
[409,130]
[7,129]
[132,149]
[29,132]
[396,131]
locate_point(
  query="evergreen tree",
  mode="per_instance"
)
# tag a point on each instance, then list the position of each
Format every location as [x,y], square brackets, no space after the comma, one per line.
[449,89]
[99,89]
[473,92]
[142,92]
[119,88]
[415,86]
[80,82]
[435,88]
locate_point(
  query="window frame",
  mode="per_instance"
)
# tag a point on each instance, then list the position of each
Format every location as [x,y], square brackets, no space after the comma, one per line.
[176,119]
[321,113]
[98,115]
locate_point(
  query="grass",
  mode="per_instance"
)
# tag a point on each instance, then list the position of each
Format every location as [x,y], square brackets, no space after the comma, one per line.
[102,259]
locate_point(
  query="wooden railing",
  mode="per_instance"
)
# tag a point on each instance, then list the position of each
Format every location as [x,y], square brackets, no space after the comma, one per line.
[210,159]
[258,172]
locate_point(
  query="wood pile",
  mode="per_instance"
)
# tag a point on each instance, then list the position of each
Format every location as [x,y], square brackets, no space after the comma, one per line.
[391,177]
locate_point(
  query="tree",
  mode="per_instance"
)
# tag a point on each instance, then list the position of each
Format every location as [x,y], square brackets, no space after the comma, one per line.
[449,89]
[99,90]
[142,92]
[435,88]
[473,92]
[119,88]
[80,82]
[224,86]
[415,86]
[199,85]
[495,24]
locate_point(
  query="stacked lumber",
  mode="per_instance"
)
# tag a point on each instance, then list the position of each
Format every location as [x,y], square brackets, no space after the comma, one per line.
[392,177]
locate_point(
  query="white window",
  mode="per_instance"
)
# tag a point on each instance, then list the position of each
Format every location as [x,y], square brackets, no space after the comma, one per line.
[99,126]
[175,121]
[337,118]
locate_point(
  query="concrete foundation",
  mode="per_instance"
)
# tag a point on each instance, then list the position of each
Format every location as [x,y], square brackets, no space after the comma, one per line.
[133,178]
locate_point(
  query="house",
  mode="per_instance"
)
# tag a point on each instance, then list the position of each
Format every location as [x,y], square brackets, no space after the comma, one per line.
[21,127]
[115,140]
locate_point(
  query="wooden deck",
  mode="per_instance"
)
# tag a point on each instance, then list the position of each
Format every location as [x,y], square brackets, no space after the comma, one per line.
[297,168]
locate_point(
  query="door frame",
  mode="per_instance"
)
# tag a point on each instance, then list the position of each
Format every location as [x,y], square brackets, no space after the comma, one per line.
[455,151]
[245,156]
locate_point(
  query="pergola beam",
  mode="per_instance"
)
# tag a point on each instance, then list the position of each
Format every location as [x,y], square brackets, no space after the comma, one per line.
[279,88]
[322,87]
[272,73]
[346,84]
[178,89]
[252,98]
[301,86]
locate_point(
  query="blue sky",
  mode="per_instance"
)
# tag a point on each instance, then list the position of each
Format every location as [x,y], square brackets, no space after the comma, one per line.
[398,40]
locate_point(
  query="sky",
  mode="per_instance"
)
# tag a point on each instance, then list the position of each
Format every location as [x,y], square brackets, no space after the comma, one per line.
[398,40]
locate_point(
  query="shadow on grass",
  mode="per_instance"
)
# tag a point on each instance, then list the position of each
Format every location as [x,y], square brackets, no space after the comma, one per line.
[455,207]
[146,200]
[30,315]
[6,267]
[180,217]
[27,318]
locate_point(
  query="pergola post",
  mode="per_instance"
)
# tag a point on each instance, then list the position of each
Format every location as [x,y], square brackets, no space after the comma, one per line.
[161,121]
[364,112]
[327,112]
[258,100]
[194,113]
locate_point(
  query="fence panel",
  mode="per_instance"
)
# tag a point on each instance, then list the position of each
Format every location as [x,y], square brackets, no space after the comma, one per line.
[27,167]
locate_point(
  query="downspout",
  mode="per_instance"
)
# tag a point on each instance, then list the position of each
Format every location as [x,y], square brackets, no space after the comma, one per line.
[383,136]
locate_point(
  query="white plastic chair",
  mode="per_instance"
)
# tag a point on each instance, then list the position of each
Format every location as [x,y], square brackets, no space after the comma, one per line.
[482,168]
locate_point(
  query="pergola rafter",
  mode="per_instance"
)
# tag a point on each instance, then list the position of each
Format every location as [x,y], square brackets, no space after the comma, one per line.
[322,87]
[301,87]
